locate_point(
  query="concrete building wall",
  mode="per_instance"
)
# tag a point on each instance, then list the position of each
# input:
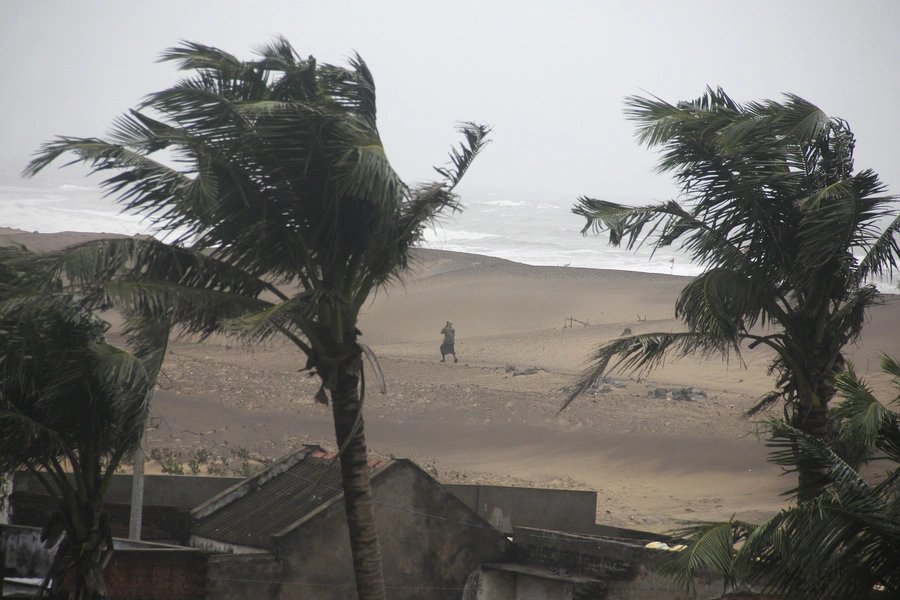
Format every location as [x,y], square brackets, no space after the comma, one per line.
[246,576]
[491,585]
[507,507]
[630,570]
[164,524]
[136,571]
[24,552]
[168,500]
[424,557]
[179,491]
[533,588]
[157,574]
[494,584]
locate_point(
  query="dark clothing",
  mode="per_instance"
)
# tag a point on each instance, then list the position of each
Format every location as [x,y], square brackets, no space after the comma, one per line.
[448,346]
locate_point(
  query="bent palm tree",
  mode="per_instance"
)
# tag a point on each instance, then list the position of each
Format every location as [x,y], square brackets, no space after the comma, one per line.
[845,542]
[788,234]
[71,408]
[283,182]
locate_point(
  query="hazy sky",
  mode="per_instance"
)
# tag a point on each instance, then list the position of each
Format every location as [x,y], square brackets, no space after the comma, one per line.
[549,79]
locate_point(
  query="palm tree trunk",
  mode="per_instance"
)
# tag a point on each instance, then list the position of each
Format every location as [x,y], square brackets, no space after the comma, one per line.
[89,584]
[358,503]
[813,422]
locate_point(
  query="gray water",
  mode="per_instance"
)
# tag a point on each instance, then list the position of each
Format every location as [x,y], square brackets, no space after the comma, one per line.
[528,228]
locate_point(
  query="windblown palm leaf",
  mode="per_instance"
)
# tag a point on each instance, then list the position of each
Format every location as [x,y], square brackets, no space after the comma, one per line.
[71,408]
[284,214]
[786,230]
[844,542]
[711,549]
[641,353]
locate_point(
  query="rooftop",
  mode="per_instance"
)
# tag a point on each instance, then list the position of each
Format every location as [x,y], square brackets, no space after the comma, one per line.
[274,503]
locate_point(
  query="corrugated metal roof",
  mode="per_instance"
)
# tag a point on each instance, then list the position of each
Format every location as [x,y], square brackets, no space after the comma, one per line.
[273,506]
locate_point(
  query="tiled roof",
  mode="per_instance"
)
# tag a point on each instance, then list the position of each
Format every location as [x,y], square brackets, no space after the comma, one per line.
[282,500]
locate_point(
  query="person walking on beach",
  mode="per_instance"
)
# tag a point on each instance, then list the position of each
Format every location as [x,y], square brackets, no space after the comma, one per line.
[449,341]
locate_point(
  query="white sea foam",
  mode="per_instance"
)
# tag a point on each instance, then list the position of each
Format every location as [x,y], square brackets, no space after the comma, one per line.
[503,203]
[524,228]
[446,236]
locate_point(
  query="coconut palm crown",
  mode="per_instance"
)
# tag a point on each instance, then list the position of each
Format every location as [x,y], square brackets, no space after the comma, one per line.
[72,407]
[845,541]
[283,215]
[789,236]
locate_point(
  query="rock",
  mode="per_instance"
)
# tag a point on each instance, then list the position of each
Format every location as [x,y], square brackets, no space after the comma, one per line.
[680,395]
[619,384]
[660,392]
[528,371]
[510,368]
[605,389]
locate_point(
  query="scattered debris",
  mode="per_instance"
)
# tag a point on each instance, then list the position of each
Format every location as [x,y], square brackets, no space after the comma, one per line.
[528,371]
[569,322]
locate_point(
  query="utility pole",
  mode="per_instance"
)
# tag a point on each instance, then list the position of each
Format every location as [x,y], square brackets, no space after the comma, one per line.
[137,493]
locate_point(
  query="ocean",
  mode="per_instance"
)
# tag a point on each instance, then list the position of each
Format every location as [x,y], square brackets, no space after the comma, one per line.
[535,229]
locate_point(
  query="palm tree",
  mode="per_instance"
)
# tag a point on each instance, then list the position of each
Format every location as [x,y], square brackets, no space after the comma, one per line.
[71,408]
[788,234]
[845,542]
[284,215]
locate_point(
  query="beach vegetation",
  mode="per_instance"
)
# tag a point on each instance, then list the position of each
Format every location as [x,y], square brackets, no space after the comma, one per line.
[790,237]
[844,542]
[72,408]
[283,214]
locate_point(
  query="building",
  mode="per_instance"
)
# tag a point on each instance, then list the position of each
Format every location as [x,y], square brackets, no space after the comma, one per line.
[282,534]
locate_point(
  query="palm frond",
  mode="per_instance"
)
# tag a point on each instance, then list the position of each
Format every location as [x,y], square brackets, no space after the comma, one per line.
[26,441]
[764,402]
[718,303]
[708,547]
[861,412]
[642,352]
[621,220]
[882,254]
[795,450]
[829,548]
[475,140]
[892,367]
[299,311]
[62,385]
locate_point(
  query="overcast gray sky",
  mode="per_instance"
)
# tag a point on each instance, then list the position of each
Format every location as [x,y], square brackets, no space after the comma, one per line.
[550,79]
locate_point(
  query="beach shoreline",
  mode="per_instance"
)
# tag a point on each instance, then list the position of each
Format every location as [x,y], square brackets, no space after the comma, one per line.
[653,459]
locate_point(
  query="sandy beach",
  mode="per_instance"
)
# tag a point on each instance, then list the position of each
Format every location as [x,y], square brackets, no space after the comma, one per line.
[653,461]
